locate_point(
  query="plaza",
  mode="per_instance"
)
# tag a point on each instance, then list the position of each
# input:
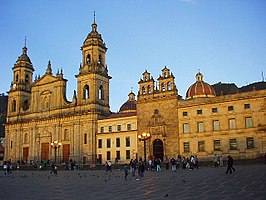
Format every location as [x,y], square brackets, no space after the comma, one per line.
[247,182]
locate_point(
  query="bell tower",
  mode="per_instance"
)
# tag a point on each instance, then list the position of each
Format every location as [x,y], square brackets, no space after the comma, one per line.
[20,91]
[93,78]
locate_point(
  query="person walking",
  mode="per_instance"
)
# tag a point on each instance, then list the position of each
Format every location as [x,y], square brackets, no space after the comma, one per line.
[215,160]
[126,171]
[230,162]
[166,162]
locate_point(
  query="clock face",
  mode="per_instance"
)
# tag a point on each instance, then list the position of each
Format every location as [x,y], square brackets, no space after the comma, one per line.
[14,86]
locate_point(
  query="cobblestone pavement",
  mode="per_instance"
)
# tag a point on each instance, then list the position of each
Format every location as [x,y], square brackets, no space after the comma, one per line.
[247,182]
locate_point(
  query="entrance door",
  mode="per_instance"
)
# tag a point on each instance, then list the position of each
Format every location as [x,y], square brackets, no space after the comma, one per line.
[25,154]
[66,152]
[45,151]
[158,149]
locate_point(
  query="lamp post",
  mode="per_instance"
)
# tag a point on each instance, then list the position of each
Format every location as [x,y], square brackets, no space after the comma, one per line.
[56,145]
[143,137]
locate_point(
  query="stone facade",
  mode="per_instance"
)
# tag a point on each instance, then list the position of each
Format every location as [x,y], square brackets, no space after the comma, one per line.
[207,122]
[38,112]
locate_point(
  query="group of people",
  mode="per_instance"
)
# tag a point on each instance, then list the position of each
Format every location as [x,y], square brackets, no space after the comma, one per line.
[218,161]
[7,166]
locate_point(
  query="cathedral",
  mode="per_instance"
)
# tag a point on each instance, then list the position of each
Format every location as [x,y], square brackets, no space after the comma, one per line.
[43,125]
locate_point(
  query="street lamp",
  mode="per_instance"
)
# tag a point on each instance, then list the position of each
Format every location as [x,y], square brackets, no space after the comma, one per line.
[55,144]
[143,137]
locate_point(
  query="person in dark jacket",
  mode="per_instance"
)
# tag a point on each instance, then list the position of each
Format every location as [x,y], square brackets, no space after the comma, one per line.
[230,162]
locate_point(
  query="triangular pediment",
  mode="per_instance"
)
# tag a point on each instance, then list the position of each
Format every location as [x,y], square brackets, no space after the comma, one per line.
[46,79]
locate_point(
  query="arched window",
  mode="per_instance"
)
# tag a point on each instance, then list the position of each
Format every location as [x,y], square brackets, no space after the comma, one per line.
[17,78]
[149,89]
[143,90]
[88,59]
[169,86]
[27,78]
[25,105]
[101,94]
[100,59]
[86,92]
[163,87]
[14,106]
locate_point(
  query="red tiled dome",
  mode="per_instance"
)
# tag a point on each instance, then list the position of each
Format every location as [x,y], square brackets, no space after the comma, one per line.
[200,89]
[130,105]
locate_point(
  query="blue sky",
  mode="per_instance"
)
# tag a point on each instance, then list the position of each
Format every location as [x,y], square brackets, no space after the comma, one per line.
[226,40]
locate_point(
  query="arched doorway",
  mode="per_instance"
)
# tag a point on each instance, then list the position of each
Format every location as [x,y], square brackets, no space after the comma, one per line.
[158,149]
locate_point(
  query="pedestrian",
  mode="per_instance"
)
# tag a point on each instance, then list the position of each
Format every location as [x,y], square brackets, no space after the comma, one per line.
[230,162]
[158,165]
[126,171]
[215,160]
[221,161]
[141,169]
[173,164]
[52,170]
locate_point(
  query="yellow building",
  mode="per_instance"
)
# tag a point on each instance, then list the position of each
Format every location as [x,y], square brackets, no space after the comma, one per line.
[210,120]
[117,134]
[38,112]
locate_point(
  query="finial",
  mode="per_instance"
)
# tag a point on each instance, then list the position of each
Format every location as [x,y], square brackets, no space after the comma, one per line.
[131,89]
[94,17]
[49,68]
[25,44]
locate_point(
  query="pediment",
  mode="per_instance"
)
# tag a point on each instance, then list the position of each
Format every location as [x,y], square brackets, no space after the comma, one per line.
[46,79]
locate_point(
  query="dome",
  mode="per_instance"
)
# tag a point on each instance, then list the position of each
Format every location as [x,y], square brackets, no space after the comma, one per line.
[130,105]
[200,89]
[24,56]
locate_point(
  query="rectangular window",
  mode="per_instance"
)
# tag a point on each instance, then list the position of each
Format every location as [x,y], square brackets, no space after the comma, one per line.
[214,110]
[247,106]
[128,127]
[110,128]
[108,155]
[233,144]
[11,144]
[199,112]
[217,145]
[232,124]
[127,154]
[108,143]
[201,146]
[100,143]
[102,129]
[230,108]
[250,143]
[216,125]
[248,122]
[118,155]
[184,113]
[119,127]
[85,138]
[186,128]
[200,127]
[127,141]
[186,147]
[117,142]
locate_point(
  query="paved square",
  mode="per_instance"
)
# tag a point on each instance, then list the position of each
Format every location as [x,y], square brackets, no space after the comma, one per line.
[248,182]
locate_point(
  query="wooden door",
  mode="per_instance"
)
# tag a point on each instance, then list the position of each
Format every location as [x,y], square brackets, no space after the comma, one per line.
[66,152]
[45,151]
[25,154]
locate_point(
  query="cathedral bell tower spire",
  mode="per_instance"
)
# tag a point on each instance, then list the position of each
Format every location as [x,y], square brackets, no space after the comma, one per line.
[93,78]
[20,90]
